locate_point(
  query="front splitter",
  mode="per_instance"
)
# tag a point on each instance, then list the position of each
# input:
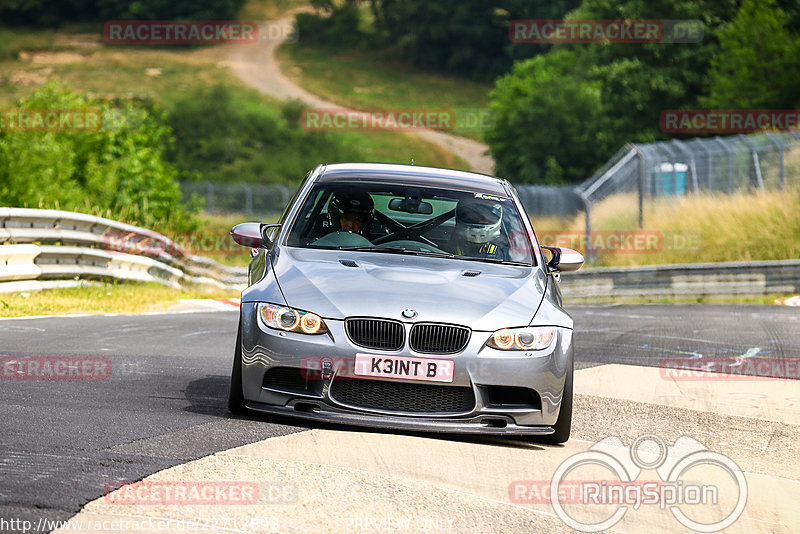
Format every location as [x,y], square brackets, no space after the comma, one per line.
[484,425]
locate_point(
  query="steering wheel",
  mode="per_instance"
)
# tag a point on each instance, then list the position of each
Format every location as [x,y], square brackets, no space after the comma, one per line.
[342,239]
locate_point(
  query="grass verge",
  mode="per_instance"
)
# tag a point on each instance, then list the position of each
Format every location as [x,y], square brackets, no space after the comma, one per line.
[733,299]
[117,297]
[692,229]
[369,80]
[215,229]
[79,58]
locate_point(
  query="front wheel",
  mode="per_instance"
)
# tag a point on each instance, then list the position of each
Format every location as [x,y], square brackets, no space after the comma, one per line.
[235,394]
[564,422]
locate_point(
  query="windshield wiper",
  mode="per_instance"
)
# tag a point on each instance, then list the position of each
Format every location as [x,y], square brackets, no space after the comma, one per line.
[494,260]
[399,250]
[431,253]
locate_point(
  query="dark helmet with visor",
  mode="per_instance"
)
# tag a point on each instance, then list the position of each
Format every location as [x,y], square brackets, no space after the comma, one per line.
[352,202]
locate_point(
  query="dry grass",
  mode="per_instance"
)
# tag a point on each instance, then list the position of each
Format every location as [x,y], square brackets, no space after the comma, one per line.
[692,229]
[119,297]
[215,225]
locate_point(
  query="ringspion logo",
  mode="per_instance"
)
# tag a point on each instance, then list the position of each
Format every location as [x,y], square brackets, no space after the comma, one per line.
[708,485]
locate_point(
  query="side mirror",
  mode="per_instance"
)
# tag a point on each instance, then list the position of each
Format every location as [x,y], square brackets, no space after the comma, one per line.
[253,235]
[564,260]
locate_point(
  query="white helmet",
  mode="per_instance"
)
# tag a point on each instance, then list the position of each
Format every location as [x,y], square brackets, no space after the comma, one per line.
[478,221]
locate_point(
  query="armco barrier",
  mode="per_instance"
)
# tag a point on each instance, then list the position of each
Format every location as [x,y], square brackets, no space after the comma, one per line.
[689,280]
[53,245]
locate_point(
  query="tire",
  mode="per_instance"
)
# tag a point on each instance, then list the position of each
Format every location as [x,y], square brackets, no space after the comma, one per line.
[564,422]
[235,395]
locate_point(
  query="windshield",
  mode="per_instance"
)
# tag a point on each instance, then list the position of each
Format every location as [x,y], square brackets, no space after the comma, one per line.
[398,219]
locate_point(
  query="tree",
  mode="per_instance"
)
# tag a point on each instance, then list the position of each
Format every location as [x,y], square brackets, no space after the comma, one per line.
[465,37]
[116,168]
[758,61]
[547,113]
[639,81]
[49,13]
[618,89]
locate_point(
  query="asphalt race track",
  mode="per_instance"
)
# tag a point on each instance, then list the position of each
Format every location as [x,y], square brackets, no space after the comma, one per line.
[62,442]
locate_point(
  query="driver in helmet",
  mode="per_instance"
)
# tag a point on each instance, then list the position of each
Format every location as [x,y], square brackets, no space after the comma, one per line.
[477,230]
[351,211]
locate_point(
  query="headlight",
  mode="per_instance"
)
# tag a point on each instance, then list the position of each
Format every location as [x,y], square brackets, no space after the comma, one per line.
[291,320]
[528,338]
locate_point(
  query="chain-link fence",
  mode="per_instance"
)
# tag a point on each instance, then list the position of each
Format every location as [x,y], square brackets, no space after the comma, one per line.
[728,165]
[250,199]
[255,199]
[723,165]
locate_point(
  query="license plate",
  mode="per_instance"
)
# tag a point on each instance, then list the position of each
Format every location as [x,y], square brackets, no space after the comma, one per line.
[404,367]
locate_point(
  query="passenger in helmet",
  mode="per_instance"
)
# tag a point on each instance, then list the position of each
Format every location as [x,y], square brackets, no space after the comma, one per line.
[477,232]
[351,211]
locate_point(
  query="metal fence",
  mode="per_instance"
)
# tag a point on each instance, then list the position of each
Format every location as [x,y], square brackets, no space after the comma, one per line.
[250,199]
[260,200]
[727,165]
[721,165]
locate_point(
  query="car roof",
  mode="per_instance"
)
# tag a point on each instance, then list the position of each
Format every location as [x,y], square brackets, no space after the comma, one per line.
[413,175]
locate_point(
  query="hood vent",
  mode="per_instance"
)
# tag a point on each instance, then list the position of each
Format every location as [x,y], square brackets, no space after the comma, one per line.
[348,263]
[470,274]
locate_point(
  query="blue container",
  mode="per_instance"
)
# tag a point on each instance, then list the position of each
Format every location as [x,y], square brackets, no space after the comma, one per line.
[668,182]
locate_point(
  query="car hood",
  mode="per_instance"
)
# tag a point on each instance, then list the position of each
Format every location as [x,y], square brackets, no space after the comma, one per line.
[383,285]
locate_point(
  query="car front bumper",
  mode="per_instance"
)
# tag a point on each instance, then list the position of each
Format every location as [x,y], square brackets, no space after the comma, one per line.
[477,367]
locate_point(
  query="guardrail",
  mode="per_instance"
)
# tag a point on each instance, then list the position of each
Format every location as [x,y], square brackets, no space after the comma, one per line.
[687,280]
[55,248]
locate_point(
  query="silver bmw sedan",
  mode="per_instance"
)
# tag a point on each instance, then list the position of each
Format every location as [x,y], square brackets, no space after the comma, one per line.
[405,297]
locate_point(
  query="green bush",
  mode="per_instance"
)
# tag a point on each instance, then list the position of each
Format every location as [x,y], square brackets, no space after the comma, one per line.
[464,37]
[225,137]
[333,24]
[116,170]
[564,113]
[547,114]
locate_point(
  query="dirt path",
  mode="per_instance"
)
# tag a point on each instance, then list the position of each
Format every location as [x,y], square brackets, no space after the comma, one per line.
[257,66]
